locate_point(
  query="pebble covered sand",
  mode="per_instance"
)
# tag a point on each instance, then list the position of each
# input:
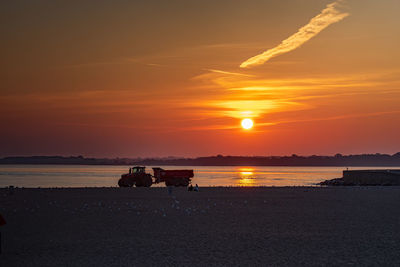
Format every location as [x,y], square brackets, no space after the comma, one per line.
[289,226]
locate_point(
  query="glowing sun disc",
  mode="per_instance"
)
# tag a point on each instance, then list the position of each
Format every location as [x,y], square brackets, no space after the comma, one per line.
[247,124]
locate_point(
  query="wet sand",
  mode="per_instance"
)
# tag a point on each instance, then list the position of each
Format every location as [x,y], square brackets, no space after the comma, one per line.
[216,226]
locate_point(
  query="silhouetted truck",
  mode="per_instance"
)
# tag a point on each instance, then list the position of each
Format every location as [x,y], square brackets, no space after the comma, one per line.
[137,176]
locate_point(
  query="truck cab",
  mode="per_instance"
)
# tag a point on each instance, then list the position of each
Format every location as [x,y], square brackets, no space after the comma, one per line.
[138,169]
[137,176]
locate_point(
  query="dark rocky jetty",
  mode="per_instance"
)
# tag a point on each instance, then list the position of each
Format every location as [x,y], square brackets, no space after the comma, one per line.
[366,178]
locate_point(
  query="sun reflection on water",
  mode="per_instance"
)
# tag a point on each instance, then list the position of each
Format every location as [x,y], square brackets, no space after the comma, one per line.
[246,177]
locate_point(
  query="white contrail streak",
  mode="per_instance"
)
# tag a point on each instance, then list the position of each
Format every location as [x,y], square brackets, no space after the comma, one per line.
[328,16]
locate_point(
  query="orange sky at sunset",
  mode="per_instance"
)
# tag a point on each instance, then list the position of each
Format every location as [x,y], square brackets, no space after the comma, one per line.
[168,78]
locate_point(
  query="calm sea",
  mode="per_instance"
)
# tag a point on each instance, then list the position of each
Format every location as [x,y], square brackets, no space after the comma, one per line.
[99,176]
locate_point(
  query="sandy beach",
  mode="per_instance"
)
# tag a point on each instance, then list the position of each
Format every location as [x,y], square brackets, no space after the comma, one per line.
[288,226]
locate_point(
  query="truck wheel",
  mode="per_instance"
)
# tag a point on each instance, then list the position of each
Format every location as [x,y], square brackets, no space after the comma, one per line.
[148,181]
[120,183]
[124,183]
[177,182]
[185,182]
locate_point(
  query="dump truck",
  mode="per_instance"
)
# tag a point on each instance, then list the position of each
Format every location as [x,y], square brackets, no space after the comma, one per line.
[138,177]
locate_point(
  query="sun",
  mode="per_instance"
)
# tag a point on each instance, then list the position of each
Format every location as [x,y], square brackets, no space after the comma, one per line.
[247,124]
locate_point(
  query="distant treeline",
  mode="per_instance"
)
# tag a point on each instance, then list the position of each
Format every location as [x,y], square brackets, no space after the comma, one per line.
[220,160]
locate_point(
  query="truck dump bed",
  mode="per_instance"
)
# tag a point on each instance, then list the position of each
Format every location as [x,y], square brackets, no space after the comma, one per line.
[162,174]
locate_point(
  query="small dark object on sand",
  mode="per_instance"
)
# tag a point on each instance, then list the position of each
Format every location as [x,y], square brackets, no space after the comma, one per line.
[11,190]
[169,190]
[2,222]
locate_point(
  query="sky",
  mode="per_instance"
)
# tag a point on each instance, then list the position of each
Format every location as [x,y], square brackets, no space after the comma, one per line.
[175,78]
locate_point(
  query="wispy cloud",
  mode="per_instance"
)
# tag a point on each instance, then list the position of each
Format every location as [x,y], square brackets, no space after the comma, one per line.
[278,100]
[154,65]
[229,73]
[328,16]
[339,117]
